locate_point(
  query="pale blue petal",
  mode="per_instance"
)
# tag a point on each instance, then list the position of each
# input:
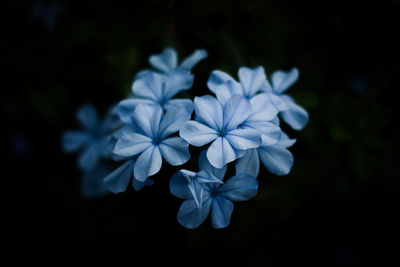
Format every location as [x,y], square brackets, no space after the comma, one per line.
[92,183]
[282,80]
[208,111]
[205,165]
[262,108]
[90,157]
[190,216]
[236,110]
[178,80]
[285,141]
[165,61]
[295,116]
[252,80]
[277,101]
[182,103]
[275,121]
[137,185]
[149,86]
[126,107]
[244,138]
[175,150]
[240,187]
[220,153]
[206,177]
[217,78]
[173,120]
[118,180]
[221,212]
[239,152]
[147,118]
[197,134]
[72,141]
[194,58]
[178,184]
[148,163]
[132,144]
[277,159]
[227,89]
[270,134]
[249,163]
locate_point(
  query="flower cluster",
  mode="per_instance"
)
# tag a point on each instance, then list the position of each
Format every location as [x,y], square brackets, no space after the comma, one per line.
[238,124]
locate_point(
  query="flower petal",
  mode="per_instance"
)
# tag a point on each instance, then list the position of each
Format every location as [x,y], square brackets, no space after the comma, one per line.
[147,118]
[149,86]
[244,138]
[208,111]
[220,153]
[182,103]
[87,117]
[252,80]
[194,58]
[126,107]
[148,163]
[118,180]
[221,212]
[205,165]
[173,120]
[165,61]
[249,163]
[175,150]
[227,89]
[262,108]
[178,184]
[72,141]
[90,157]
[178,80]
[285,141]
[236,110]
[92,183]
[197,134]
[277,159]
[132,144]
[282,80]
[190,216]
[137,185]
[217,78]
[295,116]
[240,187]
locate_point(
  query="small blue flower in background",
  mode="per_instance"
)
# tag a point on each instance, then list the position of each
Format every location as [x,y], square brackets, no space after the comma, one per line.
[219,124]
[159,88]
[290,112]
[93,140]
[215,195]
[152,141]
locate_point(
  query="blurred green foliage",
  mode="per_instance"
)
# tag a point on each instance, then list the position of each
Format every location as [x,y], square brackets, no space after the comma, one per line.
[343,192]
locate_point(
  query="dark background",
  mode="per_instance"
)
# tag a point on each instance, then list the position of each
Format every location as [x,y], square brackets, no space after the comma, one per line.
[339,206]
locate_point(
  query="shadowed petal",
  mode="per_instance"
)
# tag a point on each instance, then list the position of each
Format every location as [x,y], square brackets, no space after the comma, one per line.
[182,103]
[220,153]
[165,61]
[208,111]
[277,159]
[240,187]
[244,138]
[87,117]
[137,185]
[178,184]
[194,58]
[175,150]
[90,157]
[221,212]
[173,120]
[92,183]
[72,141]
[197,134]
[148,163]
[190,216]
[282,80]
[249,163]
[295,116]
[205,165]
[132,144]
[118,180]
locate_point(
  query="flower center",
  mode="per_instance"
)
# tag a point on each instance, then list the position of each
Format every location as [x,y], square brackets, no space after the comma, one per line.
[222,132]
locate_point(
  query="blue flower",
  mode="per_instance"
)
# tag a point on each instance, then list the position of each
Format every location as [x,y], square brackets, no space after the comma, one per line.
[158,88]
[93,140]
[219,124]
[276,158]
[205,191]
[290,111]
[151,140]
